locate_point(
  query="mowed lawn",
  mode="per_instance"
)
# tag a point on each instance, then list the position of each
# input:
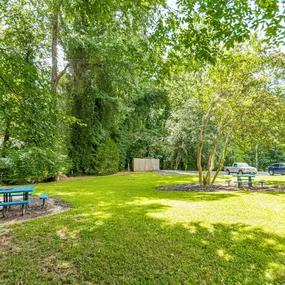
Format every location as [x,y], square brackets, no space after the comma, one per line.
[123,231]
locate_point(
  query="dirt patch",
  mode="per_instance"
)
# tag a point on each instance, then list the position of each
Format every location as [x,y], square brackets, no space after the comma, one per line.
[81,177]
[54,205]
[219,188]
[61,234]
[5,240]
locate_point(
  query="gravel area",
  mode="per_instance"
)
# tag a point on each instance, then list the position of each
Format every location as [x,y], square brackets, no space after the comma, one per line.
[54,205]
[219,188]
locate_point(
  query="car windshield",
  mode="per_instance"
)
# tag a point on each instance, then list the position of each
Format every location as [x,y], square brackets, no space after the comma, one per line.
[243,165]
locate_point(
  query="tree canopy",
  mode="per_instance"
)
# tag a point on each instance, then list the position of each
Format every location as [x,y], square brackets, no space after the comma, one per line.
[139,75]
[236,100]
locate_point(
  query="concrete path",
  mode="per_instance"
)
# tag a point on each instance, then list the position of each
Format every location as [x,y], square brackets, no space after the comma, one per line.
[184,172]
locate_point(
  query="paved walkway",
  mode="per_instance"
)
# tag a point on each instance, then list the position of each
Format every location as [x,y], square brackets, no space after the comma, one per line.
[184,172]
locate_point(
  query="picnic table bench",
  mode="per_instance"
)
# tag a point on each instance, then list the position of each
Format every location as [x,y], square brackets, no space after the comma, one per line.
[9,193]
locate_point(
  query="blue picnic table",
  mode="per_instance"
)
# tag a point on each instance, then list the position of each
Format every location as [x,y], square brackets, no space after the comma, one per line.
[244,179]
[9,193]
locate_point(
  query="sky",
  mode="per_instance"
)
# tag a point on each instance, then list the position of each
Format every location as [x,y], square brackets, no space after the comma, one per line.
[171,3]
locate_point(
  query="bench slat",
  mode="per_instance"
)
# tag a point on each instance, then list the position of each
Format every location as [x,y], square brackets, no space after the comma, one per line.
[244,179]
[22,202]
[43,196]
[20,195]
[243,182]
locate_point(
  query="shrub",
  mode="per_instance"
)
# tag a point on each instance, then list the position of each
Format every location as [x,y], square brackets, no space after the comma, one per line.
[28,165]
[107,158]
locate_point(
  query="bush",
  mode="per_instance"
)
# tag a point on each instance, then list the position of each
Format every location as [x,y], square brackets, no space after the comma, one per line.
[28,165]
[107,158]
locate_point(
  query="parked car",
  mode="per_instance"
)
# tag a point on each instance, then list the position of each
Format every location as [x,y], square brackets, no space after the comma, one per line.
[240,168]
[277,168]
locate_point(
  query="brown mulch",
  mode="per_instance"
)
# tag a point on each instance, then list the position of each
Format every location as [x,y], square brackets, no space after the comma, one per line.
[54,205]
[219,188]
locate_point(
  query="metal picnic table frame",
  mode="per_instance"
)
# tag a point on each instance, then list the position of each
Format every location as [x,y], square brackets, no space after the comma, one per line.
[240,180]
[8,197]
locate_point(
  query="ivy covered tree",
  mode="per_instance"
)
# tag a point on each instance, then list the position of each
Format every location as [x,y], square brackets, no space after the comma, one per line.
[107,158]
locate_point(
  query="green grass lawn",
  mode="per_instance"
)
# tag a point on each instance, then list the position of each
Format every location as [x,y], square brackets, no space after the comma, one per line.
[122,231]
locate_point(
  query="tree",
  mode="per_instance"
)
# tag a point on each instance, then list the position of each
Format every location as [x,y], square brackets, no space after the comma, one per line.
[238,98]
[28,111]
[25,104]
[183,125]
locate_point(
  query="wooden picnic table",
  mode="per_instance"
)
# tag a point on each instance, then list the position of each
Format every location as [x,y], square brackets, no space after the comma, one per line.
[244,179]
[9,193]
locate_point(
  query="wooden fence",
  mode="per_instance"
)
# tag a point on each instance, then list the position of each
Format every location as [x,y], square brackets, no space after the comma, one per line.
[145,164]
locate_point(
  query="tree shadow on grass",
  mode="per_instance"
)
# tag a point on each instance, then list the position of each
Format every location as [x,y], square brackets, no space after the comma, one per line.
[123,243]
[146,250]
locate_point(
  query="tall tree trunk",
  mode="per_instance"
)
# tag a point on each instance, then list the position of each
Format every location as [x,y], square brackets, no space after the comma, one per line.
[199,159]
[222,162]
[256,157]
[54,52]
[212,157]
[177,161]
[200,147]
[55,76]
[6,137]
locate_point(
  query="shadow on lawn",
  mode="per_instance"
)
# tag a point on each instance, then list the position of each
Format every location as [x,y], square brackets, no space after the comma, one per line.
[139,249]
[121,243]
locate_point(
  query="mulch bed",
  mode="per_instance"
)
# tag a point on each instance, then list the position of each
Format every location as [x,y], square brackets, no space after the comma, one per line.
[54,205]
[219,188]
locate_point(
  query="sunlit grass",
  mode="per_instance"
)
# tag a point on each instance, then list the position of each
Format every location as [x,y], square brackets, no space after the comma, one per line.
[123,231]
[276,179]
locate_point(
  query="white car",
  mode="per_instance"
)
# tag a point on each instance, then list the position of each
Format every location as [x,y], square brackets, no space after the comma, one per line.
[240,168]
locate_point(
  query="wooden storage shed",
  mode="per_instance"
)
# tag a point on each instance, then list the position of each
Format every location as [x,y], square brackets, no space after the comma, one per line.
[145,164]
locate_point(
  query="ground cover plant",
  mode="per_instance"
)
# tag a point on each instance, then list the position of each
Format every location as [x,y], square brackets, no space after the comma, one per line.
[121,230]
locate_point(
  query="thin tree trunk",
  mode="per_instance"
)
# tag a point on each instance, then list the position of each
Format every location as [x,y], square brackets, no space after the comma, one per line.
[256,157]
[178,159]
[199,159]
[55,76]
[54,52]
[212,157]
[222,160]
[6,137]
[200,147]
